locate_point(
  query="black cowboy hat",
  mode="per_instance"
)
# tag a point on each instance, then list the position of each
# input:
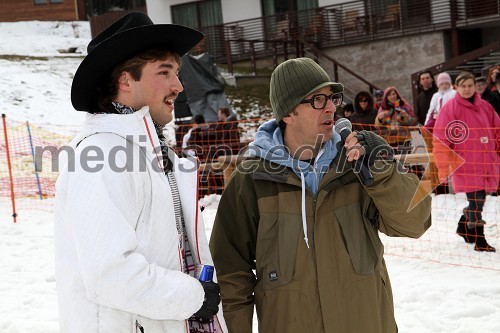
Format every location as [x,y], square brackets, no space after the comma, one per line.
[133,33]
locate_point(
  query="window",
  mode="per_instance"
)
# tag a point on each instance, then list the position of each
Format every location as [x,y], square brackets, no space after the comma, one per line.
[416,13]
[280,24]
[98,7]
[39,2]
[271,7]
[198,14]
[205,16]
[476,8]
[56,1]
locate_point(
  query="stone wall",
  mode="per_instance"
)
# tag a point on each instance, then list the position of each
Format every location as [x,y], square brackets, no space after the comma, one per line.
[388,62]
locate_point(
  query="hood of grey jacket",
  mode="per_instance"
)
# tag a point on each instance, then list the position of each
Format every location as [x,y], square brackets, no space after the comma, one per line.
[269,145]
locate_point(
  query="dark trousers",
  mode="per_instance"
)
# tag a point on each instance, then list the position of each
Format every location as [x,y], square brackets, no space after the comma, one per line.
[476,204]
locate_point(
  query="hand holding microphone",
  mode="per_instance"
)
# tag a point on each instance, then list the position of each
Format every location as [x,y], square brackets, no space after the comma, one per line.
[364,147]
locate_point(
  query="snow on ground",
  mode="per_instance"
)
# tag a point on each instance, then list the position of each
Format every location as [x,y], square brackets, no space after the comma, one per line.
[429,296]
[454,290]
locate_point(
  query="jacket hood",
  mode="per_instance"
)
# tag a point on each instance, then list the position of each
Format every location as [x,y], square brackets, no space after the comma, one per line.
[269,145]
[385,102]
[476,105]
[364,95]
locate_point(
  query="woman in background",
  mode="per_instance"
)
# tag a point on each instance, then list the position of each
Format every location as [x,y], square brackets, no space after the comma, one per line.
[364,112]
[470,126]
[492,76]
[395,114]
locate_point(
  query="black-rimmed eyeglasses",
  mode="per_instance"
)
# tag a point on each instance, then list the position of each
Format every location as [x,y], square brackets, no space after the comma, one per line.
[319,101]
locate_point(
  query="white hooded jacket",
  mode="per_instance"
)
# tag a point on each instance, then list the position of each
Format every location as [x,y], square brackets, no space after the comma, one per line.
[438,100]
[118,264]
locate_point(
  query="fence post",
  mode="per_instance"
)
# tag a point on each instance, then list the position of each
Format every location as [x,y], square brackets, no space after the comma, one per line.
[275,54]
[229,57]
[13,199]
[34,161]
[336,72]
[253,60]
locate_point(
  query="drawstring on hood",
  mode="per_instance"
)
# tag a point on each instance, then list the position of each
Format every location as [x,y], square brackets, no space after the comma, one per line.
[303,208]
[269,145]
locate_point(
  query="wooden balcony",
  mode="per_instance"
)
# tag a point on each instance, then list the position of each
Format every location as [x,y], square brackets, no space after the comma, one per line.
[342,24]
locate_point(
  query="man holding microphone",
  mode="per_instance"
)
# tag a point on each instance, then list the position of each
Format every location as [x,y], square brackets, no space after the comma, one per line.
[296,232]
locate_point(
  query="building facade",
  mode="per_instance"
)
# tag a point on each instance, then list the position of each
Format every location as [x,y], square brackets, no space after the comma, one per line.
[383,41]
[42,10]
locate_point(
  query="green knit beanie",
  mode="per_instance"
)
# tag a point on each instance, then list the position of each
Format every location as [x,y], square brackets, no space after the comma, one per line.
[293,80]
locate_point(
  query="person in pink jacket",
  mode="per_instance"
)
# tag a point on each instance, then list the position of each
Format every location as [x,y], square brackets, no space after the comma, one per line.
[470,126]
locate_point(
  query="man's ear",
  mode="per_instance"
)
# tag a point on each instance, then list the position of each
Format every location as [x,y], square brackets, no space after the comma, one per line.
[124,81]
[287,120]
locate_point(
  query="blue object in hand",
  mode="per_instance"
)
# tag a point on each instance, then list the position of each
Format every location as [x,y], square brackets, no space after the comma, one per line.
[207,273]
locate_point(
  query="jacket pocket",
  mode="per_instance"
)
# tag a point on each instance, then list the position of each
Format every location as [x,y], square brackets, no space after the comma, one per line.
[360,238]
[285,311]
[276,248]
[368,306]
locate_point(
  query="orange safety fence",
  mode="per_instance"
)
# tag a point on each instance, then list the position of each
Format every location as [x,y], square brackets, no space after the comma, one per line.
[218,144]
[212,141]
[20,176]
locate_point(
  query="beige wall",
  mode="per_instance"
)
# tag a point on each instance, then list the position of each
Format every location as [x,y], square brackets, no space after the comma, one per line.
[159,10]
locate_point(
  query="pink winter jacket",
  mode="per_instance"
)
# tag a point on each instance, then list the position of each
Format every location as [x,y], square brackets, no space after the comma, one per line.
[473,132]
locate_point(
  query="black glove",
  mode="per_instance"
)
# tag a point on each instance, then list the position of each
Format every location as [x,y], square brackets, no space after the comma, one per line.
[375,147]
[210,306]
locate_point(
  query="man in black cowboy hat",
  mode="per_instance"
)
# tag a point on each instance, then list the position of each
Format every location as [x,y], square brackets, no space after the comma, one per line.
[129,236]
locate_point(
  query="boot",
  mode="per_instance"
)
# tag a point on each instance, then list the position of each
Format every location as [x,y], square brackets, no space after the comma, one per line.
[481,244]
[469,235]
[472,224]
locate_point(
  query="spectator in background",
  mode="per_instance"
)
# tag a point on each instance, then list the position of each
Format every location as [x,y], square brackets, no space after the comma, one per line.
[364,112]
[348,110]
[482,88]
[427,88]
[199,124]
[395,114]
[493,72]
[225,115]
[394,111]
[480,172]
[494,98]
[227,130]
[378,96]
[439,99]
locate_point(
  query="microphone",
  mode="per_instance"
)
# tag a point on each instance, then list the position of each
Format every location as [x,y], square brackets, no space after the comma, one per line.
[343,127]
